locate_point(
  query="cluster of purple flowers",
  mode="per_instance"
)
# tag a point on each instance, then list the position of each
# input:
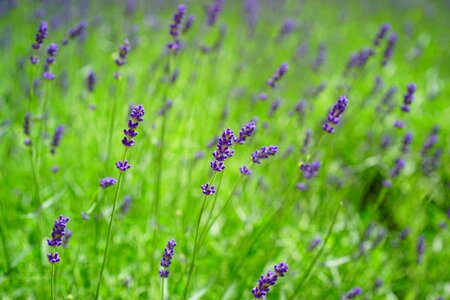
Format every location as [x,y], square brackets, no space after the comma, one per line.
[189,22]
[386,103]
[245,132]
[278,75]
[213,11]
[407,140]
[52,51]
[136,116]
[408,97]
[392,40]
[335,113]
[399,165]
[107,182]
[56,138]
[310,170]
[223,150]
[353,293]
[58,231]
[287,27]
[124,49]
[381,33]
[175,27]
[264,153]
[314,243]
[266,281]
[26,129]
[39,39]
[306,141]
[359,59]
[76,31]
[166,260]
[90,81]
[431,140]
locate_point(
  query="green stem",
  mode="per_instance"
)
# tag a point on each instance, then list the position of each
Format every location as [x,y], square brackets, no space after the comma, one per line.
[108,240]
[194,252]
[313,262]
[162,288]
[53,282]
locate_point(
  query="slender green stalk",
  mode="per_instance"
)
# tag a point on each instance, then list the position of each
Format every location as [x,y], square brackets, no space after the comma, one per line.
[108,240]
[162,288]
[194,252]
[313,262]
[53,282]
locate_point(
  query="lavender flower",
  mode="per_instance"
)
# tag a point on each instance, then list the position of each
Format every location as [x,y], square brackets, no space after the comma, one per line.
[188,24]
[386,141]
[265,282]
[90,81]
[264,153]
[58,232]
[124,49]
[213,11]
[56,138]
[52,51]
[359,59]
[166,260]
[245,171]
[278,75]
[76,31]
[420,249]
[301,50]
[125,207]
[399,124]
[306,141]
[322,53]
[310,170]
[66,238]
[54,169]
[335,113]
[274,107]
[26,129]
[431,140]
[353,293]
[123,165]
[409,97]
[107,182]
[314,243]
[399,164]
[251,8]
[245,132]
[40,35]
[177,20]
[381,33]
[223,151]
[377,86]
[301,186]
[136,116]
[386,102]
[287,27]
[404,233]
[407,140]
[208,190]
[392,40]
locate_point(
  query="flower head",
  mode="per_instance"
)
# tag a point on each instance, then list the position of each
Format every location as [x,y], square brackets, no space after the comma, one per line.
[223,150]
[265,282]
[245,132]
[40,35]
[278,75]
[107,182]
[213,11]
[335,113]
[166,260]
[381,33]
[409,97]
[310,170]
[353,293]
[123,165]
[207,189]
[245,171]
[124,49]
[264,153]
[57,138]
[392,40]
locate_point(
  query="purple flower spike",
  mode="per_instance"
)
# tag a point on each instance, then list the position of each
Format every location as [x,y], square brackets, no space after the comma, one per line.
[310,170]
[314,243]
[223,150]
[335,113]
[407,140]
[90,81]
[177,20]
[399,164]
[124,49]
[246,132]
[353,293]
[136,116]
[420,249]
[278,75]
[245,171]
[58,232]
[57,138]
[431,140]
[208,190]
[381,33]
[399,124]
[123,165]
[166,260]
[265,282]
[264,153]
[53,258]
[107,182]
[52,51]
[301,186]
[409,97]
[306,142]
[125,207]
[214,10]
[392,40]
[189,21]
[40,35]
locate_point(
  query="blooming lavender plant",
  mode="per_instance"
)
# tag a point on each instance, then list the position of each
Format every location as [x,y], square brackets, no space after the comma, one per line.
[431,141]
[223,150]
[39,39]
[188,24]
[124,50]
[392,40]
[399,164]
[268,280]
[175,27]
[264,153]
[52,51]
[314,243]
[76,31]
[381,33]
[245,132]
[306,141]
[335,113]
[353,293]
[90,81]
[56,138]
[409,97]
[107,182]
[359,59]
[310,170]
[278,75]
[166,260]
[213,11]
[407,140]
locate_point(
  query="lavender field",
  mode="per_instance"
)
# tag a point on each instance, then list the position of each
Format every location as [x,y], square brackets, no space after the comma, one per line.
[212,149]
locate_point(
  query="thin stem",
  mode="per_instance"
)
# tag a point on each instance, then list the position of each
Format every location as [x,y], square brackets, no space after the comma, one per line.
[313,262]
[162,288]
[108,240]
[53,282]
[194,252]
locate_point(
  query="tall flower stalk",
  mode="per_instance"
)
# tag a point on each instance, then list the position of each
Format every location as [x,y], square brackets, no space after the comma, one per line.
[136,116]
